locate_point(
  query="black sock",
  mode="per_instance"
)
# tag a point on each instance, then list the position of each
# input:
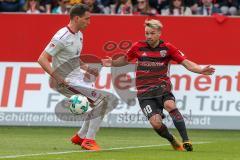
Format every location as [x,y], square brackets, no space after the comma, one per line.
[179,123]
[163,132]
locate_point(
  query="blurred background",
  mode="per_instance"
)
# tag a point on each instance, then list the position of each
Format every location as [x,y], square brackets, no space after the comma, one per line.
[130,7]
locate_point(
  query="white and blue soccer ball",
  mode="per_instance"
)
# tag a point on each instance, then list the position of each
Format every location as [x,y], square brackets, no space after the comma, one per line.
[79,104]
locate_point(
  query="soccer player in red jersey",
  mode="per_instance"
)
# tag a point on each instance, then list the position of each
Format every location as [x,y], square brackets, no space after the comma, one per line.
[153,84]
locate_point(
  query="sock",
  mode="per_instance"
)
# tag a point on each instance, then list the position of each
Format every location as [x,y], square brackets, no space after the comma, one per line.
[84,129]
[94,126]
[179,123]
[163,132]
[107,105]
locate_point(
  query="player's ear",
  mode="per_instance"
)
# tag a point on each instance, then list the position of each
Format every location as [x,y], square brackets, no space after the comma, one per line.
[160,32]
[76,18]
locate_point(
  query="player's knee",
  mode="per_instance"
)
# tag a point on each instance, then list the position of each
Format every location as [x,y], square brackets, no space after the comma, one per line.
[156,121]
[156,125]
[169,105]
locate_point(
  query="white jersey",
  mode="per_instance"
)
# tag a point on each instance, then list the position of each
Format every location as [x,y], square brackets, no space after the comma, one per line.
[64,46]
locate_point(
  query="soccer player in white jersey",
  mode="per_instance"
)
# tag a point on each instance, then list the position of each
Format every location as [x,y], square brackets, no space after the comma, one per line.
[65,45]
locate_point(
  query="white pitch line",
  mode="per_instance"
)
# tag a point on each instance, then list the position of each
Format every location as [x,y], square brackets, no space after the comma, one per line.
[79,151]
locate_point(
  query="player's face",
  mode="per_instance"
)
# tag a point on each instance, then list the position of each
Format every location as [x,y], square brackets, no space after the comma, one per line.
[177,3]
[83,21]
[207,2]
[152,35]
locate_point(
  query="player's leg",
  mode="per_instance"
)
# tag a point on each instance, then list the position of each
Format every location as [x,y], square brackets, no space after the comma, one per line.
[108,103]
[81,134]
[89,141]
[84,129]
[86,135]
[170,106]
[60,109]
[153,112]
[95,117]
[159,127]
[90,126]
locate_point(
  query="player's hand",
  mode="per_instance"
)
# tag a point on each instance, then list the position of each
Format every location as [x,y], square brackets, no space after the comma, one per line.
[93,71]
[90,75]
[107,62]
[208,70]
[61,82]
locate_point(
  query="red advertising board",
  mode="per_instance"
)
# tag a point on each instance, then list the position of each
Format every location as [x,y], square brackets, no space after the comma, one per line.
[205,40]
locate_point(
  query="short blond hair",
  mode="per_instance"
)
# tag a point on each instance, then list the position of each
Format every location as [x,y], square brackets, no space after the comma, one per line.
[153,23]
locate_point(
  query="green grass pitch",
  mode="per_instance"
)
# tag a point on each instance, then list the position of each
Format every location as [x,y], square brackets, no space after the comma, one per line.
[52,143]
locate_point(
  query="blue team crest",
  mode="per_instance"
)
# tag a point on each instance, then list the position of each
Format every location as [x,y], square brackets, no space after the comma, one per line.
[163,53]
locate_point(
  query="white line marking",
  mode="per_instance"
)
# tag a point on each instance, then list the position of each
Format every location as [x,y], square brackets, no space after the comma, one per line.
[79,151]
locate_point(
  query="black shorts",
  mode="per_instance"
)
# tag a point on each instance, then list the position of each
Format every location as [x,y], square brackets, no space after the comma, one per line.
[154,105]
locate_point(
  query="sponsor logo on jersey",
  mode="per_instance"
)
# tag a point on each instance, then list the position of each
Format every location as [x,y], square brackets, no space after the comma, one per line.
[151,64]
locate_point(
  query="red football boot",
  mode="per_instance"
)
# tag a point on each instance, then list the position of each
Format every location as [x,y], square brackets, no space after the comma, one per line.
[77,140]
[90,144]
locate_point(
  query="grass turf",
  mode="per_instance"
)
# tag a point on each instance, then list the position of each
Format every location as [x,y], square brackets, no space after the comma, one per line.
[224,145]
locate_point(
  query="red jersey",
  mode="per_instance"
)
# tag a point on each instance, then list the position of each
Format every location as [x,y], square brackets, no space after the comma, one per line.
[153,64]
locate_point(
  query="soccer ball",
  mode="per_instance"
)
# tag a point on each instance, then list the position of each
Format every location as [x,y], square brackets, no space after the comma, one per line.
[79,104]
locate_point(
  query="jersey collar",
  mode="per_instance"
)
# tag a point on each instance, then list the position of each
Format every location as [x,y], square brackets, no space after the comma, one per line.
[70,30]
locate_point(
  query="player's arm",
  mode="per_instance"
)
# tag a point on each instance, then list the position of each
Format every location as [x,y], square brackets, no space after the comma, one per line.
[193,67]
[89,70]
[120,61]
[44,60]
[83,65]
[180,58]
[53,48]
